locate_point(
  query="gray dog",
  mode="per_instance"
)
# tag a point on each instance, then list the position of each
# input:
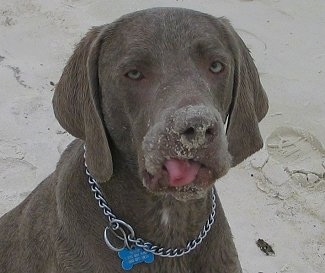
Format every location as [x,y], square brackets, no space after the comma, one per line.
[149,97]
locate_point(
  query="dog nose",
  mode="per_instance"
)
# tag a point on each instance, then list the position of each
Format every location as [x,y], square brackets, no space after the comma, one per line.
[197,125]
[197,130]
[200,130]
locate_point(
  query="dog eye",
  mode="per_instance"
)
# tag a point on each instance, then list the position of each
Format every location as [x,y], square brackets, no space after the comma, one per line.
[134,75]
[216,67]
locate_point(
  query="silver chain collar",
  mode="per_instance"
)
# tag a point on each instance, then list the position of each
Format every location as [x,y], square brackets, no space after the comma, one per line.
[126,234]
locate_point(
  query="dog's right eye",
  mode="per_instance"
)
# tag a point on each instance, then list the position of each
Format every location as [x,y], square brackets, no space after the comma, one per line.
[216,67]
[134,75]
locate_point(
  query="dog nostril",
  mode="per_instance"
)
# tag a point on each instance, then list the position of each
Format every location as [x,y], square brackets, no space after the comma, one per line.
[189,131]
[201,134]
[209,132]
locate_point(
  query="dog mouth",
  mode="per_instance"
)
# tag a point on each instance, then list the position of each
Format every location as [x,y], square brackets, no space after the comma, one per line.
[183,178]
[181,172]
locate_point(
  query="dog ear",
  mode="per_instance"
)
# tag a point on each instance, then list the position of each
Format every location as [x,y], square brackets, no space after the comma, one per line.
[249,101]
[76,104]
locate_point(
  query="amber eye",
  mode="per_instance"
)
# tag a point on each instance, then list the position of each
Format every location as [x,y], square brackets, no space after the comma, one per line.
[134,75]
[216,67]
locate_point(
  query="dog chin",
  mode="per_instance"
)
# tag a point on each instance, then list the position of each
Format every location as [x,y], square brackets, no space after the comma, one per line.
[189,192]
[184,193]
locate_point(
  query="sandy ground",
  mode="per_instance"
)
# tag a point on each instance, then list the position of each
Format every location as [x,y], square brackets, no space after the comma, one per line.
[277,195]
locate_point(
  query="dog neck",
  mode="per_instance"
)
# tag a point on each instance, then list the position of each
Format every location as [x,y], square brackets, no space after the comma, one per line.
[158,219]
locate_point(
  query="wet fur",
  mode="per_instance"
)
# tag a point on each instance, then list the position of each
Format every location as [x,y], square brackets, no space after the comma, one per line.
[59,227]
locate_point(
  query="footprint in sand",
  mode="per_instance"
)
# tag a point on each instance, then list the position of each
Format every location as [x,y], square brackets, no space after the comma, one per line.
[300,153]
[292,168]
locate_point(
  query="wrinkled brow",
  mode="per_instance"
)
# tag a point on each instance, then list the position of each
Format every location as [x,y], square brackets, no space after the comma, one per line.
[211,47]
[137,56]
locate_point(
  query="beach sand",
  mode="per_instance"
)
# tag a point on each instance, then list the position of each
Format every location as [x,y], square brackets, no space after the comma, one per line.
[277,195]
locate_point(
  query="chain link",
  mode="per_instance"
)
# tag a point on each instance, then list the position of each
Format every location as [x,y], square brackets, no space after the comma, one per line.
[127,232]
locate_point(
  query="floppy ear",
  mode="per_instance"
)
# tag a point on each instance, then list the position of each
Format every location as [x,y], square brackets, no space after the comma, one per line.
[76,104]
[249,101]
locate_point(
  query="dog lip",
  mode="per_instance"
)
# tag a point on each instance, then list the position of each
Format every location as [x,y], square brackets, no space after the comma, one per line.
[159,182]
[182,193]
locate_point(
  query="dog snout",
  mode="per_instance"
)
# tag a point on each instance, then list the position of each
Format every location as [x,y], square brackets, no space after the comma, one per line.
[196,125]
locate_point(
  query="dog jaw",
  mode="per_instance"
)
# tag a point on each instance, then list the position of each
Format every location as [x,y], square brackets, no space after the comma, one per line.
[196,187]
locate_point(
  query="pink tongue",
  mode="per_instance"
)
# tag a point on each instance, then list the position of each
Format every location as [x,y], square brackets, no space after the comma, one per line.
[181,172]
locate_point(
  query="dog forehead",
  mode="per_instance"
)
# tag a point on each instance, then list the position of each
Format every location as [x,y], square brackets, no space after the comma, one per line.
[167,28]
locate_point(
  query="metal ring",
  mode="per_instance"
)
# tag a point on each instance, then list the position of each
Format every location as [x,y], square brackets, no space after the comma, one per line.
[109,244]
[126,234]
[121,223]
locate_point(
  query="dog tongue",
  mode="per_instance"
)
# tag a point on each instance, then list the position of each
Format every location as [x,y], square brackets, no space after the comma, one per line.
[181,172]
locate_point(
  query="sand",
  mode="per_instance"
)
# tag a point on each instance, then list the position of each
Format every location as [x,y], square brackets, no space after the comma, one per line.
[277,195]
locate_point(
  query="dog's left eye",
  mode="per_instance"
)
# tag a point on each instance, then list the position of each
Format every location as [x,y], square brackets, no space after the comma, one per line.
[216,67]
[134,75]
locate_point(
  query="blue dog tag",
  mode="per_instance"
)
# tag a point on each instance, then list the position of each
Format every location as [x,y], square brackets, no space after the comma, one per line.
[136,255]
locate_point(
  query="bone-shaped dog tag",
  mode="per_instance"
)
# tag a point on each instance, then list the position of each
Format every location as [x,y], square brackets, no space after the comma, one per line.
[136,255]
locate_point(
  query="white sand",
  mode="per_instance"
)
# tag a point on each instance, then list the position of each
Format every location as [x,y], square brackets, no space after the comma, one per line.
[277,195]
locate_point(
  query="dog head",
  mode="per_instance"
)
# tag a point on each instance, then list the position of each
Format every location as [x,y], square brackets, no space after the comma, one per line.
[172,93]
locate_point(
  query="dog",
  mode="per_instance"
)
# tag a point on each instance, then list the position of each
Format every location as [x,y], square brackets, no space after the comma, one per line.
[162,103]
